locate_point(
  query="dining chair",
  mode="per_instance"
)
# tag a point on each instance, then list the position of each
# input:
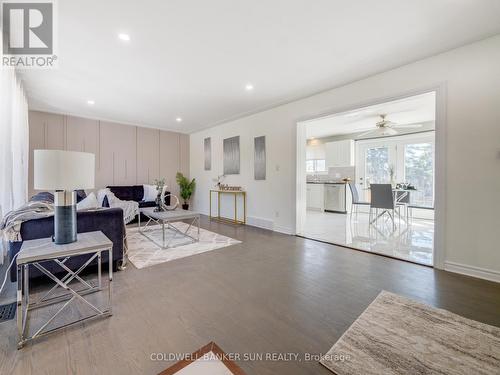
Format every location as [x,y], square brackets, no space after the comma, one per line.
[383,199]
[356,202]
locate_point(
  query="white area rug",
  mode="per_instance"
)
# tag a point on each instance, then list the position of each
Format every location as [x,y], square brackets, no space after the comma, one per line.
[142,252]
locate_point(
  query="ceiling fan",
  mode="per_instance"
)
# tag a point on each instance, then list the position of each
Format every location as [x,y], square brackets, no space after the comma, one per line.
[386,128]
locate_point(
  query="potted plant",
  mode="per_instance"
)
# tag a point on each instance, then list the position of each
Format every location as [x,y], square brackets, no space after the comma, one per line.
[186,188]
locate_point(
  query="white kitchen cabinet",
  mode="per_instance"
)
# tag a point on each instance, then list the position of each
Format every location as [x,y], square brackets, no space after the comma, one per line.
[315,197]
[340,153]
[316,151]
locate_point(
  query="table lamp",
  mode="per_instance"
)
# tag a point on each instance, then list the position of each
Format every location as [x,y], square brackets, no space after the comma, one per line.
[64,172]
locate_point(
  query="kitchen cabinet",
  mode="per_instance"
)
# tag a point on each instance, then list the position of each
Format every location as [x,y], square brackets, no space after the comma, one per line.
[340,153]
[315,198]
[316,151]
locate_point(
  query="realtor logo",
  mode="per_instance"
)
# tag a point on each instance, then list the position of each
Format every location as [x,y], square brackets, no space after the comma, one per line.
[28,34]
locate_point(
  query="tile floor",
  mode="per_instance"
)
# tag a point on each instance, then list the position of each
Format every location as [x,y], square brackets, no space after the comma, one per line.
[413,242]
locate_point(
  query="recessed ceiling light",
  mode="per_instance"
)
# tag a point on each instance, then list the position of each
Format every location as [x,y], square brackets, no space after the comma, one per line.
[90,102]
[124,37]
[249,87]
[178,119]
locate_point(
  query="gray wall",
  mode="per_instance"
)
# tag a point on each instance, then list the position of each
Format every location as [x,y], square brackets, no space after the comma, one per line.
[125,154]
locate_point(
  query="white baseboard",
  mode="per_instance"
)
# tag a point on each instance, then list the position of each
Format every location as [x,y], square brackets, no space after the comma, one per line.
[481,273]
[284,230]
[260,222]
[263,223]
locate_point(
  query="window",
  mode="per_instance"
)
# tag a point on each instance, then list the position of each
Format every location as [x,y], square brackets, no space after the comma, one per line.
[315,165]
[408,158]
[419,171]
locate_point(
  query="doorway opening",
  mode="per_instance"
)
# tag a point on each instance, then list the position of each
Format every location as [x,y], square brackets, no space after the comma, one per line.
[367,178]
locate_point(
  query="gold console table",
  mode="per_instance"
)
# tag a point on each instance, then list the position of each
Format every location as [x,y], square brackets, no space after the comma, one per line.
[227,219]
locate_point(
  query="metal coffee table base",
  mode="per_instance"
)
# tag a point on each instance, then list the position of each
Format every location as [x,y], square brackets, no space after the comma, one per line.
[166,225]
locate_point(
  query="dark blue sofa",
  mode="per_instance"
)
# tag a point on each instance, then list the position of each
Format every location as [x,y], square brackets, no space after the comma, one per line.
[109,221]
[134,193]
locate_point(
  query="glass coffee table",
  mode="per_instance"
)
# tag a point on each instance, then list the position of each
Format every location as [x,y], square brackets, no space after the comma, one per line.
[165,219]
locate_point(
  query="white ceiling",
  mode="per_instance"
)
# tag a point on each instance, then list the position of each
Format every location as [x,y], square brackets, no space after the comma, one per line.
[419,109]
[193,58]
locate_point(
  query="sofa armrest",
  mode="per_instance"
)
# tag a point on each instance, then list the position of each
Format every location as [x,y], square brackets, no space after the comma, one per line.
[109,221]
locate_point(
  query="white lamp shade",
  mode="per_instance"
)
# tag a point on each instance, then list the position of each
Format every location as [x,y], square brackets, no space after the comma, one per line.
[63,170]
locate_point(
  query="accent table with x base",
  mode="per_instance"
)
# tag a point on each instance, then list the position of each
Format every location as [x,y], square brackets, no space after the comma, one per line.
[165,220]
[37,252]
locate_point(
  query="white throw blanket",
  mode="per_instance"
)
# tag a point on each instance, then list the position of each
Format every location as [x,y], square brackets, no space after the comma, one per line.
[11,223]
[130,209]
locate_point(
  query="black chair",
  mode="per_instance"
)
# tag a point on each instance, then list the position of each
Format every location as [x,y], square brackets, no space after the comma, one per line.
[382,198]
[355,199]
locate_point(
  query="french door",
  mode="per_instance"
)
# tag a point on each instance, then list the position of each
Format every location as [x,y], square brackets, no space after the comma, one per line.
[406,158]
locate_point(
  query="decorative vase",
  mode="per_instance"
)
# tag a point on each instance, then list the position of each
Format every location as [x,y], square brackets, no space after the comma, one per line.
[158,202]
[185,206]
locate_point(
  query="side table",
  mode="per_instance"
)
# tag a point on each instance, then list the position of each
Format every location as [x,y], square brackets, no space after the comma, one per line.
[36,252]
[235,193]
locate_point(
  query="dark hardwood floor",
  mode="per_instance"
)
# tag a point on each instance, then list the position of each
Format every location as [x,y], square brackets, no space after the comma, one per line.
[271,293]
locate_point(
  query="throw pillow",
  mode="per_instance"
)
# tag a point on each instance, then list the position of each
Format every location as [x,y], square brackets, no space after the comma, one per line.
[105,202]
[90,201]
[43,196]
[150,193]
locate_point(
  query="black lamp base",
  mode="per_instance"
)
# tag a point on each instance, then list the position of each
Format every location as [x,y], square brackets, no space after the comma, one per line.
[64,217]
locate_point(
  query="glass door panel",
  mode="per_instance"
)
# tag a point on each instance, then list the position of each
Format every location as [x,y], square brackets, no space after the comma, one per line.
[377,166]
[419,171]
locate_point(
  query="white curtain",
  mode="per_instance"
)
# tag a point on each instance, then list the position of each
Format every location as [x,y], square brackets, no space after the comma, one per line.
[14,145]
[14,141]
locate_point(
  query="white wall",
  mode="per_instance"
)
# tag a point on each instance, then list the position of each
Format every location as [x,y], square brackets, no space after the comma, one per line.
[471,77]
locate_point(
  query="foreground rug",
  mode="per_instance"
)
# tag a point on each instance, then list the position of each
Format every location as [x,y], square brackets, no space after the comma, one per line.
[396,335]
[208,360]
[142,252]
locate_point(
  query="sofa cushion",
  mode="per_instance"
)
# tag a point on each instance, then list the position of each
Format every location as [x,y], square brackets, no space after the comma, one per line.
[80,195]
[105,201]
[143,204]
[109,221]
[128,193]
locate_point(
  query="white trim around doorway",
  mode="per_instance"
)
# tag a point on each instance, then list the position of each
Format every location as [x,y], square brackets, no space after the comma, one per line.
[439,255]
